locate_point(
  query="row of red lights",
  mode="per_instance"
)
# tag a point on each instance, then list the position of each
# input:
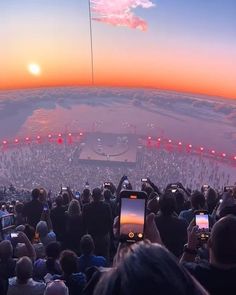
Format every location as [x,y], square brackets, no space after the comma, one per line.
[38,137]
[190,146]
[50,136]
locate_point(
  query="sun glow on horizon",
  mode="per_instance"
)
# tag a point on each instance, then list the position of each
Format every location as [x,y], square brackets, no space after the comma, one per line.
[34,69]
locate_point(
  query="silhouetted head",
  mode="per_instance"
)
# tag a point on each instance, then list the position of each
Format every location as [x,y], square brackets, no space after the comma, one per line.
[35,194]
[56,287]
[197,200]
[107,194]
[59,201]
[68,262]
[74,208]
[97,194]
[24,269]
[6,250]
[147,268]
[167,203]
[222,242]
[87,245]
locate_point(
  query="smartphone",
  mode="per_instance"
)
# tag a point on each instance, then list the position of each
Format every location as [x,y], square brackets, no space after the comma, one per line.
[144,179]
[14,235]
[77,195]
[64,188]
[173,190]
[228,188]
[202,221]
[106,184]
[132,216]
[45,208]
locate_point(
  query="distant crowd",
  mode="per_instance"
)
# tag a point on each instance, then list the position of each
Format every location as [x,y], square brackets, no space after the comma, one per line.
[54,165]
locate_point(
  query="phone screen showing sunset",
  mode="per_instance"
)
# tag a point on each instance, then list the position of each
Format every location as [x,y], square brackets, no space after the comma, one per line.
[202,221]
[132,218]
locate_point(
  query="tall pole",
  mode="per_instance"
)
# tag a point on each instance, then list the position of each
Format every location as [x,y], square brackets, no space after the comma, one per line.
[91,42]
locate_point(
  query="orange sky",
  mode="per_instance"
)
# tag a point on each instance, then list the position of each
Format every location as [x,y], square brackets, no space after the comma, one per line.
[175,54]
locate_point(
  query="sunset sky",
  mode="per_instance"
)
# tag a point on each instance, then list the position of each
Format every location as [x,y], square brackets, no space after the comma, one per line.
[183,45]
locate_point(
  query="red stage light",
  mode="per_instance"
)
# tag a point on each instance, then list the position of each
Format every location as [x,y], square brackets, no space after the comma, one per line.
[16,140]
[49,135]
[190,146]
[27,138]
[234,157]
[59,135]
[170,141]
[4,142]
[81,134]
[158,139]
[60,140]
[69,134]
[149,137]
[223,155]
[201,148]
[180,143]
[213,151]
[38,137]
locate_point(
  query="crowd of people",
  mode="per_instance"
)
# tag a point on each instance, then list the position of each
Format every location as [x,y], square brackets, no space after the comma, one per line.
[70,245]
[52,165]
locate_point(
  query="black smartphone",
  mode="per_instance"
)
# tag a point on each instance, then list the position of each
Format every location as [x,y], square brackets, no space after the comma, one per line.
[107,184]
[14,235]
[202,221]
[132,216]
[228,188]
[144,180]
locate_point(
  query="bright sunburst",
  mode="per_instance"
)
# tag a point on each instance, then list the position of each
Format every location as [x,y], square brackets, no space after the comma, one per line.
[34,69]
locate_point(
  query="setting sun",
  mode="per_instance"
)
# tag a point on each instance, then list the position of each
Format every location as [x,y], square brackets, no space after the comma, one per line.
[34,69]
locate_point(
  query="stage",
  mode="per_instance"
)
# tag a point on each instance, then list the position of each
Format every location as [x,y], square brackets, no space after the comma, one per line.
[109,148]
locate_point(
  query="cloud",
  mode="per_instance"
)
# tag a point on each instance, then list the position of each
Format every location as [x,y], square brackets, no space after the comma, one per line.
[119,12]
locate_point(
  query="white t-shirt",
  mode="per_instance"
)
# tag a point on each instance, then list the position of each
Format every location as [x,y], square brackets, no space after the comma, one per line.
[30,288]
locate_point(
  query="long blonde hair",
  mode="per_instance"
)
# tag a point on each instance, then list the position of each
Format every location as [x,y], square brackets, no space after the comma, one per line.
[74,208]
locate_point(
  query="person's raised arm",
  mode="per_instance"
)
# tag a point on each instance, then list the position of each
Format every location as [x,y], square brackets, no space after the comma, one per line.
[155,188]
[190,249]
[119,187]
[22,238]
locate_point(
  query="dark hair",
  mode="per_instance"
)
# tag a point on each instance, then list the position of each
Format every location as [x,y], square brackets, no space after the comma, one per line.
[66,199]
[35,194]
[147,189]
[87,245]
[30,232]
[24,269]
[223,240]
[211,199]
[97,194]
[107,194]
[149,269]
[86,192]
[167,203]
[197,200]
[59,201]
[52,252]
[19,208]
[68,262]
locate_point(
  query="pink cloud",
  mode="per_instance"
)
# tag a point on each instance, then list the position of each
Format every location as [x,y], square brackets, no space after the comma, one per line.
[119,12]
